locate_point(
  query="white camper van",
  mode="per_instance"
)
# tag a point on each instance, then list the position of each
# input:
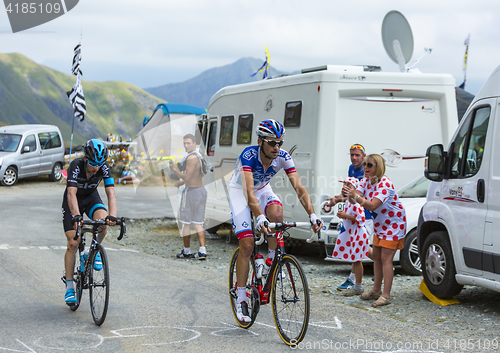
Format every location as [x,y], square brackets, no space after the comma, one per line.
[325,110]
[459,225]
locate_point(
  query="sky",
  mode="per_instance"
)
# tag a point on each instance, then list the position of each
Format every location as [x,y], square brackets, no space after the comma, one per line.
[154,42]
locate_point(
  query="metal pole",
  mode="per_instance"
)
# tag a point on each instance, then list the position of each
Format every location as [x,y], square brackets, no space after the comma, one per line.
[71,143]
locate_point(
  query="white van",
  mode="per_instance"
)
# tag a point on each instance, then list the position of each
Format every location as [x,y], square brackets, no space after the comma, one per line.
[459,225]
[325,110]
[30,150]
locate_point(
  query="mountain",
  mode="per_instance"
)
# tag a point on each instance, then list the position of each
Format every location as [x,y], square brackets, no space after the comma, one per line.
[35,94]
[198,90]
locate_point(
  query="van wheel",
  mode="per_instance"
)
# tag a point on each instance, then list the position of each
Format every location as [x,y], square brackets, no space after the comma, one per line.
[408,257]
[56,172]
[439,268]
[10,177]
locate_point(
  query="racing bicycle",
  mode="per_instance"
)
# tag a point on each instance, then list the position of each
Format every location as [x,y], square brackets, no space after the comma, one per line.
[87,276]
[284,285]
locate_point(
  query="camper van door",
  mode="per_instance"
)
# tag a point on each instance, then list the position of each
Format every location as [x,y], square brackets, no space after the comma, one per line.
[461,193]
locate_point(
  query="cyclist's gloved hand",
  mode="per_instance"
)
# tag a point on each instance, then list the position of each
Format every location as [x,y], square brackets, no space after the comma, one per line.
[111,219]
[262,221]
[315,220]
[77,219]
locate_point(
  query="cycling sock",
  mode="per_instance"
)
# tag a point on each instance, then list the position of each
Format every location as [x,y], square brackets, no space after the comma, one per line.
[187,251]
[203,250]
[242,294]
[352,277]
[69,284]
[358,287]
[271,254]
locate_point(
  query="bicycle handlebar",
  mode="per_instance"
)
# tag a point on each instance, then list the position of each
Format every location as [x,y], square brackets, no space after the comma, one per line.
[286,225]
[99,222]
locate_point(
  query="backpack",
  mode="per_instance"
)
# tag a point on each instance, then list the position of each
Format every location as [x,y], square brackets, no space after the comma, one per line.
[203,164]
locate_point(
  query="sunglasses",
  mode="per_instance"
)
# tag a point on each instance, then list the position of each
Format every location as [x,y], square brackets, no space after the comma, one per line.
[359,147]
[94,164]
[369,164]
[273,143]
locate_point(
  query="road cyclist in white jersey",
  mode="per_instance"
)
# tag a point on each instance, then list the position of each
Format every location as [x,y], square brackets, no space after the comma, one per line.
[251,193]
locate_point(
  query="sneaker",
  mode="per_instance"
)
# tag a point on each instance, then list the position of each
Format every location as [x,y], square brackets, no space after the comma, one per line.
[242,312]
[351,292]
[181,255]
[97,262]
[202,256]
[70,297]
[346,285]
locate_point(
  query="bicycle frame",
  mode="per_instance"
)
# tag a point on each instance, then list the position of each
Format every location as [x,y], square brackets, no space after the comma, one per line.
[265,289]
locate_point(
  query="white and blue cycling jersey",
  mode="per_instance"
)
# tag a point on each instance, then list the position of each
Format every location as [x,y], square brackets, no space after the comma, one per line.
[249,161]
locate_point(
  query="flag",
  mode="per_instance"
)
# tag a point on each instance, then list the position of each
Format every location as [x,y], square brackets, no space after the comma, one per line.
[77,99]
[76,96]
[265,66]
[466,43]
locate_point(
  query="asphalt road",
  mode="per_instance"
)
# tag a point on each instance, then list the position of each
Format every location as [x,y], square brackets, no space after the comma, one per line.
[156,304]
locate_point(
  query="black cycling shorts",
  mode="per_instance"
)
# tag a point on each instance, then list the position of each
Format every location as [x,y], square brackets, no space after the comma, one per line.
[87,205]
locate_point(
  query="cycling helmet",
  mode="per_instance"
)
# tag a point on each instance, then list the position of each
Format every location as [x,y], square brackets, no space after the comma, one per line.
[96,152]
[270,128]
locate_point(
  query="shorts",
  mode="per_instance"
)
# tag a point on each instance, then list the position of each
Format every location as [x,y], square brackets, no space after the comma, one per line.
[389,244]
[193,204]
[87,205]
[240,212]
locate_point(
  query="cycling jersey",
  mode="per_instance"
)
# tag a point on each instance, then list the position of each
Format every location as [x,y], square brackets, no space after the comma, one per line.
[77,177]
[249,161]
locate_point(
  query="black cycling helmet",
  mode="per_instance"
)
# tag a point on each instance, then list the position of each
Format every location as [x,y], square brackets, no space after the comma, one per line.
[95,152]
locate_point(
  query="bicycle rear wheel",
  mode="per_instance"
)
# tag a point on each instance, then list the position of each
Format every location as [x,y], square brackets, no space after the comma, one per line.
[290,299]
[98,285]
[253,298]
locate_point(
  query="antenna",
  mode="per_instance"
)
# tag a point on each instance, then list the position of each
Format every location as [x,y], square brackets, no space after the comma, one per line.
[397,38]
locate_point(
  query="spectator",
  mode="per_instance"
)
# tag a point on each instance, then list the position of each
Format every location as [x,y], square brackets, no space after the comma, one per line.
[194,197]
[377,194]
[357,155]
[352,241]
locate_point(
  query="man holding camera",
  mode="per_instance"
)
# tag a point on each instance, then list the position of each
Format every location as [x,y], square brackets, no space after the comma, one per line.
[194,197]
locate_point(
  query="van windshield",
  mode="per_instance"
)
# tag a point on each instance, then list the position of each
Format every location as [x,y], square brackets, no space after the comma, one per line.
[417,188]
[9,142]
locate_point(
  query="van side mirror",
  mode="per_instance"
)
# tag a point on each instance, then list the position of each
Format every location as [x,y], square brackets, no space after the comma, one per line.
[26,149]
[435,163]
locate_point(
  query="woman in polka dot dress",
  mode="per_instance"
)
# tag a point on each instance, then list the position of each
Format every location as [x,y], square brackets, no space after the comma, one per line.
[352,242]
[377,194]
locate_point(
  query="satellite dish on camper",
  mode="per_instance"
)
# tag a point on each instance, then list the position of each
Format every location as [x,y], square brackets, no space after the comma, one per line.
[397,38]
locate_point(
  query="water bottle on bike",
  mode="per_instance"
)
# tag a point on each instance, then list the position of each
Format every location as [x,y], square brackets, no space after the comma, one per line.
[259,265]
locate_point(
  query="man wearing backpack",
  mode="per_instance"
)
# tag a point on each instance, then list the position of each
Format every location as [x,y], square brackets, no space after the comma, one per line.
[194,197]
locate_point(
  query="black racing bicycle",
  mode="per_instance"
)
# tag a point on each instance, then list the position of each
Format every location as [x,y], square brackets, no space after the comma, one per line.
[88,276]
[284,284]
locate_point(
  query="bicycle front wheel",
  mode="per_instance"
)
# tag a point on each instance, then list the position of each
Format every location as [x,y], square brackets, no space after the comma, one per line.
[290,299]
[252,293]
[98,284]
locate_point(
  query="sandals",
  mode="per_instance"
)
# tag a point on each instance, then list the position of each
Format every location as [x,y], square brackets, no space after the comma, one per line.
[381,301]
[370,295]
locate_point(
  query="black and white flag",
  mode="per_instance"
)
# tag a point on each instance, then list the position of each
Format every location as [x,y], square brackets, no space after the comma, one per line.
[76,96]
[77,57]
[77,99]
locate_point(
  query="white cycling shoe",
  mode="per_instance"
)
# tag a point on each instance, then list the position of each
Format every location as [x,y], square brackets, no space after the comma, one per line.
[242,312]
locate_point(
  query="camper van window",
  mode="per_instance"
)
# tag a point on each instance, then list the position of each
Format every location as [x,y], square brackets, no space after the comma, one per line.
[293,113]
[211,139]
[245,123]
[467,148]
[31,142]
[226,130]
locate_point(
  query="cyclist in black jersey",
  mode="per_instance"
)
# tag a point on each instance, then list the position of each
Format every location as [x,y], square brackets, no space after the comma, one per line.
[81,196]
